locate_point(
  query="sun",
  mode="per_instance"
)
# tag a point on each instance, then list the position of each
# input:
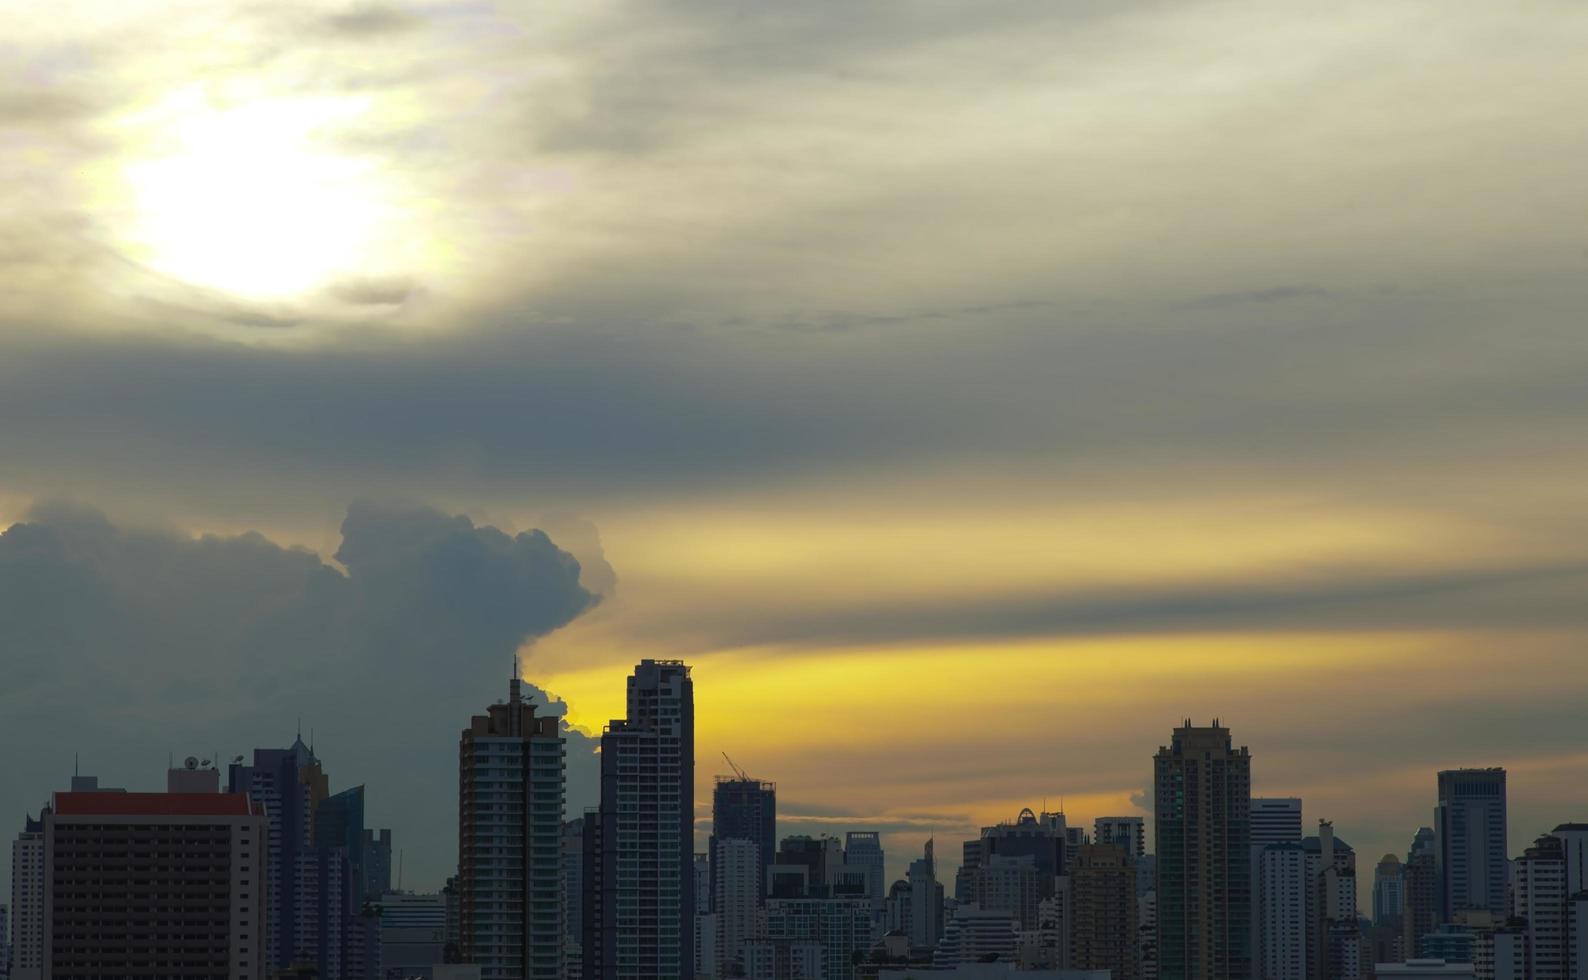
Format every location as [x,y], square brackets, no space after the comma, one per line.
[253,199]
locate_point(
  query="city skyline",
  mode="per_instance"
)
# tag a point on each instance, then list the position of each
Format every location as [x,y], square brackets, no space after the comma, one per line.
[968,392]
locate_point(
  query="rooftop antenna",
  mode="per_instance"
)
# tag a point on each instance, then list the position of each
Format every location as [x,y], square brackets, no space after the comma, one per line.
[399,869]
[300,728]
[74,765]
[514,688]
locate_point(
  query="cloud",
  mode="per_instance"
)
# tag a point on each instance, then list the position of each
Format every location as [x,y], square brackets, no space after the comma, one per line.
[152,641]
[1274,294]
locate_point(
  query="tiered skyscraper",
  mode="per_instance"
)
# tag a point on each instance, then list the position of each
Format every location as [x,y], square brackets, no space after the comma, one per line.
[1202,788]
[510,808]
[647,826]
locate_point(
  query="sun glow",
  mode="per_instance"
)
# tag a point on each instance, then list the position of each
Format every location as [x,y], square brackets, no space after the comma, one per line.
[254,199]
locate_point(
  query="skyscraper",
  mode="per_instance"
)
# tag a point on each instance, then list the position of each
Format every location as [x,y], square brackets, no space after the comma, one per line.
[510,808]
[736,879]
[313,863]
[1275,821]
[863,850]
[1540,899]
[1389,891]
[1202,790]
[647,825]
[744,809]
[1103,903]
[926,900]
[1470,830]
[27,899]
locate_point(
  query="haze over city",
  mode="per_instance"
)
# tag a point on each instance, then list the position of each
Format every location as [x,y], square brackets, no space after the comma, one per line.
[969,393]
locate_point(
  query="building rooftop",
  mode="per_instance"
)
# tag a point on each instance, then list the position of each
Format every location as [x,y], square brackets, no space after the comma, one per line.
[152,804]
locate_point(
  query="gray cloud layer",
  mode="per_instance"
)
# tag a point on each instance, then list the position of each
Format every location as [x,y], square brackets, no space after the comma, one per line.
[139,643]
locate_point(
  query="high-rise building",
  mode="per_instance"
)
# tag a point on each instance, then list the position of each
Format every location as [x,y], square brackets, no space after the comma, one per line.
[1333,934]
[1282,911]
[744,809]
[926,900]
[1470,824]
[975,935]
[154,884]
[1539,898]
[1421,894]
[863,851]
[27,900]
[1275,820]
[1573,838]
[1202,791]
[811,937]
[315,880]
[413,931]
[1007,883]
[736,881]
[647,924]
[1127,832]
[511,776]
[1103,911]
[1389,891]
[573,888]
[376,863]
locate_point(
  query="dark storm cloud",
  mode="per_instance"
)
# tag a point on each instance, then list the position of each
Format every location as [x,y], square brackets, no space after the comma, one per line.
[1350,599]
[629,408]
[154,642]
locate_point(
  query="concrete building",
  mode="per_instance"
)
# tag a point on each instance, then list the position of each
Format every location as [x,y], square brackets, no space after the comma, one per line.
[510,808]
[1005,883]
[1422,893]
[1274,820]
[646,928]
[798,930]
[1470,828]
[413,931]
[573,888]
[1127,832]
[1539,899]
[1202,792]
[27,901]
[1103,911]
[736,881]
[926,900]
[154,884]
[744,809]
[1284,886]
[975,935]
[1389,891]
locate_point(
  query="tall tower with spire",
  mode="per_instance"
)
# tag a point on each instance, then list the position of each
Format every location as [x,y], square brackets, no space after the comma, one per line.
[510,807]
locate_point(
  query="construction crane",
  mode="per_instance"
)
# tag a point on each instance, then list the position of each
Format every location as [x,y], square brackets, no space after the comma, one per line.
[744,776]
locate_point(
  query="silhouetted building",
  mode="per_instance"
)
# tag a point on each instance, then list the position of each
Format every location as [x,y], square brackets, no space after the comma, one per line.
[1202,790]
[744,809]
[1103,911]
[1274,820]
[863,852]
[154,884]
[510,807]
[314,877]
[647,924]
[1422,895]
[1470,825]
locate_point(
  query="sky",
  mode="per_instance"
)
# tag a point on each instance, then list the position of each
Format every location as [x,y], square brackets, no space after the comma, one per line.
[968,392]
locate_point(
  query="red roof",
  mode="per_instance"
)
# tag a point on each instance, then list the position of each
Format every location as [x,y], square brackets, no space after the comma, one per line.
[152,804]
